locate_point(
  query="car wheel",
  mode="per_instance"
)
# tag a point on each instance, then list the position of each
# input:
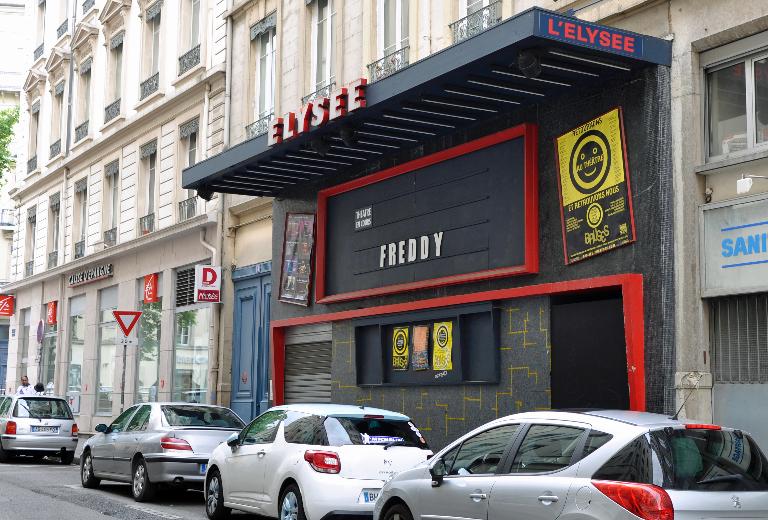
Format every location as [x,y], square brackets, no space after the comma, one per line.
[87,477]
[67,457]
[291,505]
[398,512]
[141,487]
[214,497]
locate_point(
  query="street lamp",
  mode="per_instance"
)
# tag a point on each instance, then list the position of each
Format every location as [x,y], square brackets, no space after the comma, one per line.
[744,184]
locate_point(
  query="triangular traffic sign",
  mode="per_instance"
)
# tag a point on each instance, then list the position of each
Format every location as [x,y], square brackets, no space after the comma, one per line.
[127,320]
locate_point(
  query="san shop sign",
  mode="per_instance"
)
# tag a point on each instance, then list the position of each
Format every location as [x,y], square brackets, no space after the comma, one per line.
[207,284]
[318,112]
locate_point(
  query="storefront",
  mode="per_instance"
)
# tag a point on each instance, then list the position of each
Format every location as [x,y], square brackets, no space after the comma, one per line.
[484,232]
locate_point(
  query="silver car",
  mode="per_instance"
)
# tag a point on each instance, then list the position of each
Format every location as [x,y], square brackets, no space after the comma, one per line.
[607,465]
[157,443]
[36,426]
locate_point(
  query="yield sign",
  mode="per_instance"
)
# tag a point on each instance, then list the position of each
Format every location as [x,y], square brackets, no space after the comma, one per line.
[127,320]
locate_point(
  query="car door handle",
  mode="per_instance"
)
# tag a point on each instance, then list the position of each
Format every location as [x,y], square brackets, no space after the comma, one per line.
[261,453]
[477,497]
[548,499]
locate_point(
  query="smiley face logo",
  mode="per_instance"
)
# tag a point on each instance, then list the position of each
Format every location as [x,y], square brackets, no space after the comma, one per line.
[590,162]
[594,215]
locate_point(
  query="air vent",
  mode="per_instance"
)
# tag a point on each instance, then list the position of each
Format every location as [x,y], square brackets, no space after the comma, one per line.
[185,287]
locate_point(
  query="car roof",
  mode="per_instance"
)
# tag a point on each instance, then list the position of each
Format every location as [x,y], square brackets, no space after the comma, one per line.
[629,417]
[345,410]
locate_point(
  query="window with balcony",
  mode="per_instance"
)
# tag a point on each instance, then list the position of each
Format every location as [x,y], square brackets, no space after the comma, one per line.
[148,154]
[151,54]
[83,100]
[111,211]
[54,226]
[190,35]
[39,30]
[392,38]
[56,116]
[115,77]
[34,123]
[263,38]
[475,17]
[29,245]
[80,216]
[323,48]
[188,134]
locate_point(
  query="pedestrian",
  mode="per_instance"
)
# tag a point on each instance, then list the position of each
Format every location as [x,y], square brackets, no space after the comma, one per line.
[25,388]
[39,389]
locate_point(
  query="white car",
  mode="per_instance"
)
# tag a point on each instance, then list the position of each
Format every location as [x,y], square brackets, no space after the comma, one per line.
[311,462]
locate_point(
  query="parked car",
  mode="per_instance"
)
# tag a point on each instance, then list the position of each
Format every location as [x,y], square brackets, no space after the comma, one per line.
[311,461]
[607,465]
[36,426]
[156,443]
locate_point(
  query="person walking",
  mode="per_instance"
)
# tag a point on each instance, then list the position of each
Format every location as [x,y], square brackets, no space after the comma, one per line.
[25,388]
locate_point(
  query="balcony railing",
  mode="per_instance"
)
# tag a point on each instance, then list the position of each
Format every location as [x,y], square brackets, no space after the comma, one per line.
[147,224]
[149,85]
[258,127]
[187,209]
[55,148]
[110,237]
[32,164]
[189,59]
[81,131]
[476,22]
[87,5]
[80,249]
[319,93]
[53,259]
[7,217]
[29,268]
[39,52]
[389,64]
[111,111]
[62,29]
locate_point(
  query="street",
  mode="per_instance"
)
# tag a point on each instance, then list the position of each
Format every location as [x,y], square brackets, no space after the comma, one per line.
[45,489]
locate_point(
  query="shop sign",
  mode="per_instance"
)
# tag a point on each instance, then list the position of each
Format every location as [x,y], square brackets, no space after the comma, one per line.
[50,312]
[318,112]
[150,288]
[6,305]
[207,284]
[734,240]
[595,195]
[585,34]
[92,274]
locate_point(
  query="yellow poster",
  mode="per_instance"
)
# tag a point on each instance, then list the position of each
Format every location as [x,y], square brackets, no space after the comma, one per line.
[442,343]
[400,348]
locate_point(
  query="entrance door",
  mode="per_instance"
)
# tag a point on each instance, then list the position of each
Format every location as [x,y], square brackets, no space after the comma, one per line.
[250,342]
[589,353]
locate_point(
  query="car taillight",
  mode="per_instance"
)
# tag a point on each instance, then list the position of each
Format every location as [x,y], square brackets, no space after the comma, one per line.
[647,501]
[74,430]
[172,443]
[10,428]
[703,427]
[323,461]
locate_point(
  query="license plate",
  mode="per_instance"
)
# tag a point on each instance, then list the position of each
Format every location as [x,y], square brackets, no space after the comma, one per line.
[370,496]
[203,468]
[45,429]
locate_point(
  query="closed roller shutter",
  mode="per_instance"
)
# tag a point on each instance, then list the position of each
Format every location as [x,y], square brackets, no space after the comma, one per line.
[308,364]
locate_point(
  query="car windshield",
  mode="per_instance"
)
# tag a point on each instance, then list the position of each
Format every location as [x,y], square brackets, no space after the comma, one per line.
[205,416]
[373,431]
[38,408]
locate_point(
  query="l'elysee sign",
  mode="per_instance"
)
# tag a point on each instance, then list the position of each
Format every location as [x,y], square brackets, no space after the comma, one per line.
[92,274]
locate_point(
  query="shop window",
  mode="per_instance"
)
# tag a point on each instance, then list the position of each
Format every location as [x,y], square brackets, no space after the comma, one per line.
[106,350]
[23,347]
[739,337]
[393,26]
[48,361]
[148,358]
[76,350]
[191,342]
[323,43]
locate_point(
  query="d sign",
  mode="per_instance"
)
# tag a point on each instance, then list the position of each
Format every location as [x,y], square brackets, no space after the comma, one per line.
[207,284]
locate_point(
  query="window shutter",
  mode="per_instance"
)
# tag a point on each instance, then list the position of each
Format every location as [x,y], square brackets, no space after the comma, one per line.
[185,287]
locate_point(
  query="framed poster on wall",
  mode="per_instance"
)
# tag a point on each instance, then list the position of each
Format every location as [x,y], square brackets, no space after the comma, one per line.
[296,267]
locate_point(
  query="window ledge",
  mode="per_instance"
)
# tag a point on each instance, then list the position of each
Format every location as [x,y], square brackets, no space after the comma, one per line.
[112,122]
[147,100]
[87,139]
[191,72]
[712,168]
[54,158]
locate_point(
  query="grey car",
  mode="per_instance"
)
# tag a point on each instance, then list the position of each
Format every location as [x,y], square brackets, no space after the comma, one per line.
[36,426]
[607,465]
[157,443]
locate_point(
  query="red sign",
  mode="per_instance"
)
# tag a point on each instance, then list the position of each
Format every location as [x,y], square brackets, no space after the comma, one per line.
[50,313]
[208,295]
[317,112]
[590,35]
[207,284]
[127,320]
[150,288]
[6,305]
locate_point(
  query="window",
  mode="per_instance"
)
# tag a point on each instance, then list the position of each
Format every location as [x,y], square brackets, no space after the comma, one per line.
[152,41]
[84,96]
[46,408]
[323,18]
[40,29]
[116,67]
[23,343]
[34,123]
[54,223]
[595,441]
[210,416]
[263,47]
[393,26]
[193,21]
[139,421]
[263,429]
[76,348]
[29,246]
[482,453]
[191,342]
[305,429]
[150,178]
[107,349]
[148,357]
[469,7]
[5,405]
[119,424]
[81,210]
[546,448]
[111,195]
[56,114]
[48,370]
[356,430]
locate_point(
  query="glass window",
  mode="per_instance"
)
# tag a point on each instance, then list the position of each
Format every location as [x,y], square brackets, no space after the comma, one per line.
[151,165]
[546,448]
[49,354]
[117,72]
[24,343]
[206,416]
[370,430]
[324,18]
[395,26]
[5,404]
[761,100]
[76,347]
[155,29]
[194,26]
[727,98]
[140,420]
[148,359]
[119,424]
[55,212]
[263,429]
[41,408]
[482,453]
[85,97]
[107,349]
[595,441]
[305,429]
[265,74]
[190,373]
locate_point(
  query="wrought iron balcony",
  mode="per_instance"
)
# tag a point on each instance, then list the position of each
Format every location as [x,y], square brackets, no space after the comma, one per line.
[111,111]
[55,148]
[476,22]
[62,29]
[389,64]
[258,127]
[32,164]
[110,237]
[149,86]
[81,131]
[189,59]
[29,268]
[87,5]
[147,224]
[39,52]
[7,217]
[53,259]
[319,93]
[187,209]
[80,249]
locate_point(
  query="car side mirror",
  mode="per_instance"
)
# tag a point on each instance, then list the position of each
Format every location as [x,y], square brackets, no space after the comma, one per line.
[101,428]
[233,441]
[438,472]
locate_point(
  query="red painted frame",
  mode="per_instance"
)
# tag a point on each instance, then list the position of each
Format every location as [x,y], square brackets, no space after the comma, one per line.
[631,286]
[528,131]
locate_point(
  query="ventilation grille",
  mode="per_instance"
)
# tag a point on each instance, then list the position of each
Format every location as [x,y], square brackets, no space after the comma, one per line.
[308,373]
[185,287]
[739,338]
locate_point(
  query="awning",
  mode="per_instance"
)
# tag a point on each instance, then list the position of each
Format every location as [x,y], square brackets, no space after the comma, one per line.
[526,59]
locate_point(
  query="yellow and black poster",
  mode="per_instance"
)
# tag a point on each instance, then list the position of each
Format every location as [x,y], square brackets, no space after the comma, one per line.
[596,201]
[400,348]
[442,344]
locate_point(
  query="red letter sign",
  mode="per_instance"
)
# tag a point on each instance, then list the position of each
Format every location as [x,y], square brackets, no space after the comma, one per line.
[50,313]
[150,288]
[6,305]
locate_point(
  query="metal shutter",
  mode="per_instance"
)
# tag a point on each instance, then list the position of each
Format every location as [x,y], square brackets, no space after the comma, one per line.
[185,287]
[739,338]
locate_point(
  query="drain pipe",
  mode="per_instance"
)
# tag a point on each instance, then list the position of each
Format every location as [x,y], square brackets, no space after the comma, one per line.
[216,310]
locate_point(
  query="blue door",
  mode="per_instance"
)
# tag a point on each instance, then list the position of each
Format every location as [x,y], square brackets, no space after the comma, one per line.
[250,340]
[3,355]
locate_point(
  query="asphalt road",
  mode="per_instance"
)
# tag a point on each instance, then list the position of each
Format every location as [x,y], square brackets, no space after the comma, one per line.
[46,490]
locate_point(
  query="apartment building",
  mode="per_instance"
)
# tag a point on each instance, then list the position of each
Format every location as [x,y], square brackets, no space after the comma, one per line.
[120,96]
